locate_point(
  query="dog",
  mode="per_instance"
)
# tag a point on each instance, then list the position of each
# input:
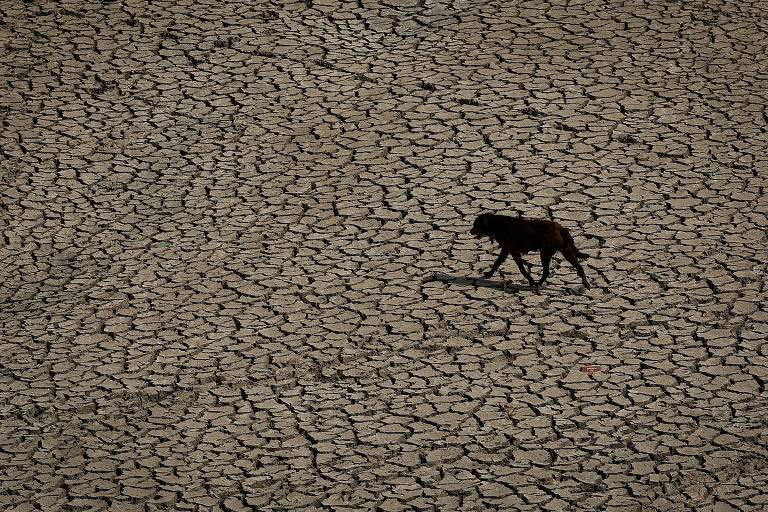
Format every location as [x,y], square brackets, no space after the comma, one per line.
[518,235]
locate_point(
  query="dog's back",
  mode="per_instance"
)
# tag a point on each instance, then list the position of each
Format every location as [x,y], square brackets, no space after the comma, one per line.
[523,235]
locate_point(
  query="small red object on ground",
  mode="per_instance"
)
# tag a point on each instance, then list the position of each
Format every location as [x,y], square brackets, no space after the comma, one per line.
[590,369]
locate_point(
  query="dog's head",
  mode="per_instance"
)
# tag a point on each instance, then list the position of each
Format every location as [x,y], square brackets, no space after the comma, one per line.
[481,226]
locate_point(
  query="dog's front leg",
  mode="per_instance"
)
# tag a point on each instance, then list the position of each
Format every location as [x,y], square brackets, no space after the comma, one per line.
[546,257]
[521,265]
[497,263]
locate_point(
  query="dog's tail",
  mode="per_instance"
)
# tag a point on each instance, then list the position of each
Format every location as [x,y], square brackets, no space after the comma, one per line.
[572,244]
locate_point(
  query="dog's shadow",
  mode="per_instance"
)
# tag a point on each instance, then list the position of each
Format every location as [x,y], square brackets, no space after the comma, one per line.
[476,281]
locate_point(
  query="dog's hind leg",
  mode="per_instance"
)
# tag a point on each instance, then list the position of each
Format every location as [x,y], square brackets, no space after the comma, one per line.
[546,257]
[502,256]
[521,265]
[570,254]
[569,242]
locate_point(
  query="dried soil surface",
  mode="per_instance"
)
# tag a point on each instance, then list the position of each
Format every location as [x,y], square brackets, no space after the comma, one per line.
[236,273]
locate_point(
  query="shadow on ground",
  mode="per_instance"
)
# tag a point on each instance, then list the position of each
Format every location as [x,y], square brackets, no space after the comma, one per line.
[476,281]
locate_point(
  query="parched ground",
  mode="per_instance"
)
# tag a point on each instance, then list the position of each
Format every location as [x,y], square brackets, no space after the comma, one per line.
[235,262]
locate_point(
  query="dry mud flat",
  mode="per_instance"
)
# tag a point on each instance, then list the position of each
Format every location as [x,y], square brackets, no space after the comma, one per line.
[222,223]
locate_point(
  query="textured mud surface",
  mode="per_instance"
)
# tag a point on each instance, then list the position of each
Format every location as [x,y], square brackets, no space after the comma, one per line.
[235,259]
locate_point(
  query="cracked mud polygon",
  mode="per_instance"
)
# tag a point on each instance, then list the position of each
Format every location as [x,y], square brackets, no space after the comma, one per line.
[236,270]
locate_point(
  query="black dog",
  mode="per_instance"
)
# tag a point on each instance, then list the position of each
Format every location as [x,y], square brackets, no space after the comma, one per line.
[517,235]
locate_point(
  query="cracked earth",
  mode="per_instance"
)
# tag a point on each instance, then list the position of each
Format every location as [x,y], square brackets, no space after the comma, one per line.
[236,270]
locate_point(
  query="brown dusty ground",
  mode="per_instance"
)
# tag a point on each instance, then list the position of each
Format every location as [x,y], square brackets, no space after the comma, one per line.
[235,251]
